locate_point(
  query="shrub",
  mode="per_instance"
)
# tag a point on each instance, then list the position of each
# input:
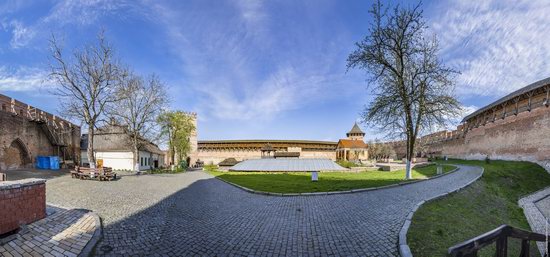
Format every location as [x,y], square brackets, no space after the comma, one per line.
[347,164]
[210,167]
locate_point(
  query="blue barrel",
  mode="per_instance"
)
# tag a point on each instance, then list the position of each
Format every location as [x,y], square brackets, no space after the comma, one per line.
[43,162]
[38,162]
[54,162]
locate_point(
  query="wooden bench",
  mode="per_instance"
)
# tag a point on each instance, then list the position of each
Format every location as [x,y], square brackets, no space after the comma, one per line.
[107,174]
[76,172]
[103,174]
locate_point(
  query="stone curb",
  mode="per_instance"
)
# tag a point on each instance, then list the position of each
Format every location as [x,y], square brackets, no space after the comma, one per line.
[335,192]
[524,196]
[404,249]
[533,213]
[89,248]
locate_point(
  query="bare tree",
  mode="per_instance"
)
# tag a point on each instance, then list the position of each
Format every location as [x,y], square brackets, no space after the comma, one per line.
[412,88]
[86,84]
[141,102]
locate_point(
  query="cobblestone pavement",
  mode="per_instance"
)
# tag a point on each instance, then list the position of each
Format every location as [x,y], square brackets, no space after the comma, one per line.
[62,233]
[196,214]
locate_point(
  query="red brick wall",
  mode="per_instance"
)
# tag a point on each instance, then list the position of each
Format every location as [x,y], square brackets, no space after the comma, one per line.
[21,202]
[523,137]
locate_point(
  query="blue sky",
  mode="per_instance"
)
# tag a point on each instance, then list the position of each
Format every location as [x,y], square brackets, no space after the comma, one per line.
[270,69]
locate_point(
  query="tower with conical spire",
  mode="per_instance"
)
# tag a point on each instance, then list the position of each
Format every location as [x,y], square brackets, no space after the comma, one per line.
[356,133]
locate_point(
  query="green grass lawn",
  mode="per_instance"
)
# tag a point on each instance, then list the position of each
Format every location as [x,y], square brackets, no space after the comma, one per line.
[483,206]
[300,182]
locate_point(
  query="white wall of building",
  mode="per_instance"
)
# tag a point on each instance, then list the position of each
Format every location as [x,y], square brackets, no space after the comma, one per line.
[116,160]
[145,160]
[125,160]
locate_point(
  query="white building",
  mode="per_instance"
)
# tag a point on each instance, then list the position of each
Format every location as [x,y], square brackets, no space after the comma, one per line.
[113,148]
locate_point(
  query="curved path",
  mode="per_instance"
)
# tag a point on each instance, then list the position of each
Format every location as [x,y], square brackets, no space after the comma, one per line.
[211,218]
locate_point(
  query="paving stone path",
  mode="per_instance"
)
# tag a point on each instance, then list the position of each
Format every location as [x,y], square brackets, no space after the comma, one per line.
[195,214]
[63,233]
[536,208]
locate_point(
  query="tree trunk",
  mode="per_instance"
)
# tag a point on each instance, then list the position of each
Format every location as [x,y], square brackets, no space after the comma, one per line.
[173,155]
[410,151]
[90,149]
[136,154]
[408,169]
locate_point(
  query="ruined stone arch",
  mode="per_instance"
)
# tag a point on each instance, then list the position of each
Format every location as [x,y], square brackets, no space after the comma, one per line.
[17,155]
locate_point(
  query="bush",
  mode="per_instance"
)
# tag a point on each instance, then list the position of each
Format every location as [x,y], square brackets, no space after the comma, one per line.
[183,164]
[177,169]
[210,167]
[347,164]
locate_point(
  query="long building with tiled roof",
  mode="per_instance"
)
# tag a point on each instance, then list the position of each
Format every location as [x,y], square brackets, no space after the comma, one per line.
[216,151]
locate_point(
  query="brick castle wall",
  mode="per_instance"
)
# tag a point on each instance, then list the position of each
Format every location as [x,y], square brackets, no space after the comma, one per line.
[525,137]
[21,202]
[215,157]
[30,136]
[22,139]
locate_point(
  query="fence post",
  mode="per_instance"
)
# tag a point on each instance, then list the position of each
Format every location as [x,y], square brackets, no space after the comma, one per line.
[502,247]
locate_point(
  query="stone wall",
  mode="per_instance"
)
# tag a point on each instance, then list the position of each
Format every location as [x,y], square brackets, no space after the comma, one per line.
[24,135]
[525,136]
[20,142]
[21,202]
[215,157]
[193,140]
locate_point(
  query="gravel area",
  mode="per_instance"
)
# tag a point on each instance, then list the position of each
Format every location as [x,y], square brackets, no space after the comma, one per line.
[196,214]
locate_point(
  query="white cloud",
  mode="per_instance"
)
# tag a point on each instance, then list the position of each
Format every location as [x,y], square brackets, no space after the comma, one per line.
[21,35]
[251,10]
[466,110]
[226,65]
[83,12]
[498,45]
[10,6]
[287,89]
[23,79]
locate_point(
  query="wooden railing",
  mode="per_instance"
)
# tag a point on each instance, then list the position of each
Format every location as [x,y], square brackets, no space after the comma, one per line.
[499,235]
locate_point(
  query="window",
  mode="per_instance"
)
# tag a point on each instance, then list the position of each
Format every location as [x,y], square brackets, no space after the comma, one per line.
[141,161]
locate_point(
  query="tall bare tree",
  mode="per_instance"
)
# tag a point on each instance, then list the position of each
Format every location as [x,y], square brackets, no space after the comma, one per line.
[141,102]
[87,82]
[412,88]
